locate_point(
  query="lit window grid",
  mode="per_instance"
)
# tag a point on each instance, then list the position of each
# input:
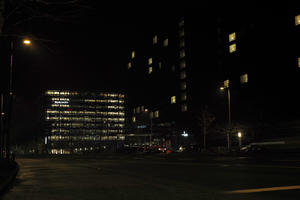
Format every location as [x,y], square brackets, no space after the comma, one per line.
[232,48]
[232,37]
[133,54]
[81,120]
[62,94]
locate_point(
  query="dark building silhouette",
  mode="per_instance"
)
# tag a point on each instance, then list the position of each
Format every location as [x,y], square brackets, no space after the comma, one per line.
[189,52]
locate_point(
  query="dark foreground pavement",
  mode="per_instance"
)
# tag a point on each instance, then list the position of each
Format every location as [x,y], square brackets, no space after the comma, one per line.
[159,178]
[8,172]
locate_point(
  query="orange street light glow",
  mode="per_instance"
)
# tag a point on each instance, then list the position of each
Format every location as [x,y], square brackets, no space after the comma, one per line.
[27,42]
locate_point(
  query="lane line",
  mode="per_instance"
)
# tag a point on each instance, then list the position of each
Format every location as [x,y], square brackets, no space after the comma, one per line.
[292,187]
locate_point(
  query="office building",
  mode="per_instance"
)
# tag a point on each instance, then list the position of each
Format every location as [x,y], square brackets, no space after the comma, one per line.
[83,121]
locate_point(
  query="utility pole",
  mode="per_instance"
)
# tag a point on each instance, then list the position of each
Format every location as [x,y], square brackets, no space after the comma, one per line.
[229,121]
[2,143]
[10,102]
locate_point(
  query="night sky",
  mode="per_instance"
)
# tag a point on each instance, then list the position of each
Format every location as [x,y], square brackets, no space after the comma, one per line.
[89,48]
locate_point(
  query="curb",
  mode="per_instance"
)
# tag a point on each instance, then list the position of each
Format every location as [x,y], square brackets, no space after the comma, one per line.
[9,179]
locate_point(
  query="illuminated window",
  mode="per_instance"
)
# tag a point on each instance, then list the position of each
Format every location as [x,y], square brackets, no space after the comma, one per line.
[181,43]
[129,65]
[232,48]
[181,22]
[150,70]
[297,20]
[166,42]
[183,107]
[138,110]
[160,65]
[299,62]
[156,114]
[226,84]
[182,75]
[155,39]
[134,111]
[244,78]
[183,86]
[182,64]
[232,37]
[150,61]
[133,54]
[181,32]
[183,97]
[173,99]
[133,119]
[182,53]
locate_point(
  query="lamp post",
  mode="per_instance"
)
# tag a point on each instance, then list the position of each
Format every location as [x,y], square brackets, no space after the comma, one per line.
[150,114]
[226,86]
[2,143]
[10,90]
[240,139]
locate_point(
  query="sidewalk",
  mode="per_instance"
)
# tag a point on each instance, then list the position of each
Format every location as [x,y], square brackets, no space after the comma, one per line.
[8,173]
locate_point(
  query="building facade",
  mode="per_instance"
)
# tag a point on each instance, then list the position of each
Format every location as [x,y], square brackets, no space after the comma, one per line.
[83,121]
[189,54]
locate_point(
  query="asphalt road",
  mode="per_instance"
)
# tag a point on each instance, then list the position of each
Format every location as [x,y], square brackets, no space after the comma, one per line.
[159,178]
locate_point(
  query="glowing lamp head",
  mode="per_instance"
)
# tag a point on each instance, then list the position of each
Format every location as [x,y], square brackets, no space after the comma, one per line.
[239,134]
[27,42]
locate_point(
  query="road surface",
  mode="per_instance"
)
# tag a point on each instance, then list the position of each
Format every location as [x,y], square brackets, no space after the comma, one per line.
[143,178]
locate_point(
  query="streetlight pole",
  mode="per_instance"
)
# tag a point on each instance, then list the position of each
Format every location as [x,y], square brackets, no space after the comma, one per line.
[10,90]
[229,121]
[228,134]
[10,101]
[1,127]
[240,139]
[150,131]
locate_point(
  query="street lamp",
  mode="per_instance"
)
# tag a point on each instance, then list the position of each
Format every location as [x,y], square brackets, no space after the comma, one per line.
[226,86]
[240,139]
[10,101]
[27,42]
